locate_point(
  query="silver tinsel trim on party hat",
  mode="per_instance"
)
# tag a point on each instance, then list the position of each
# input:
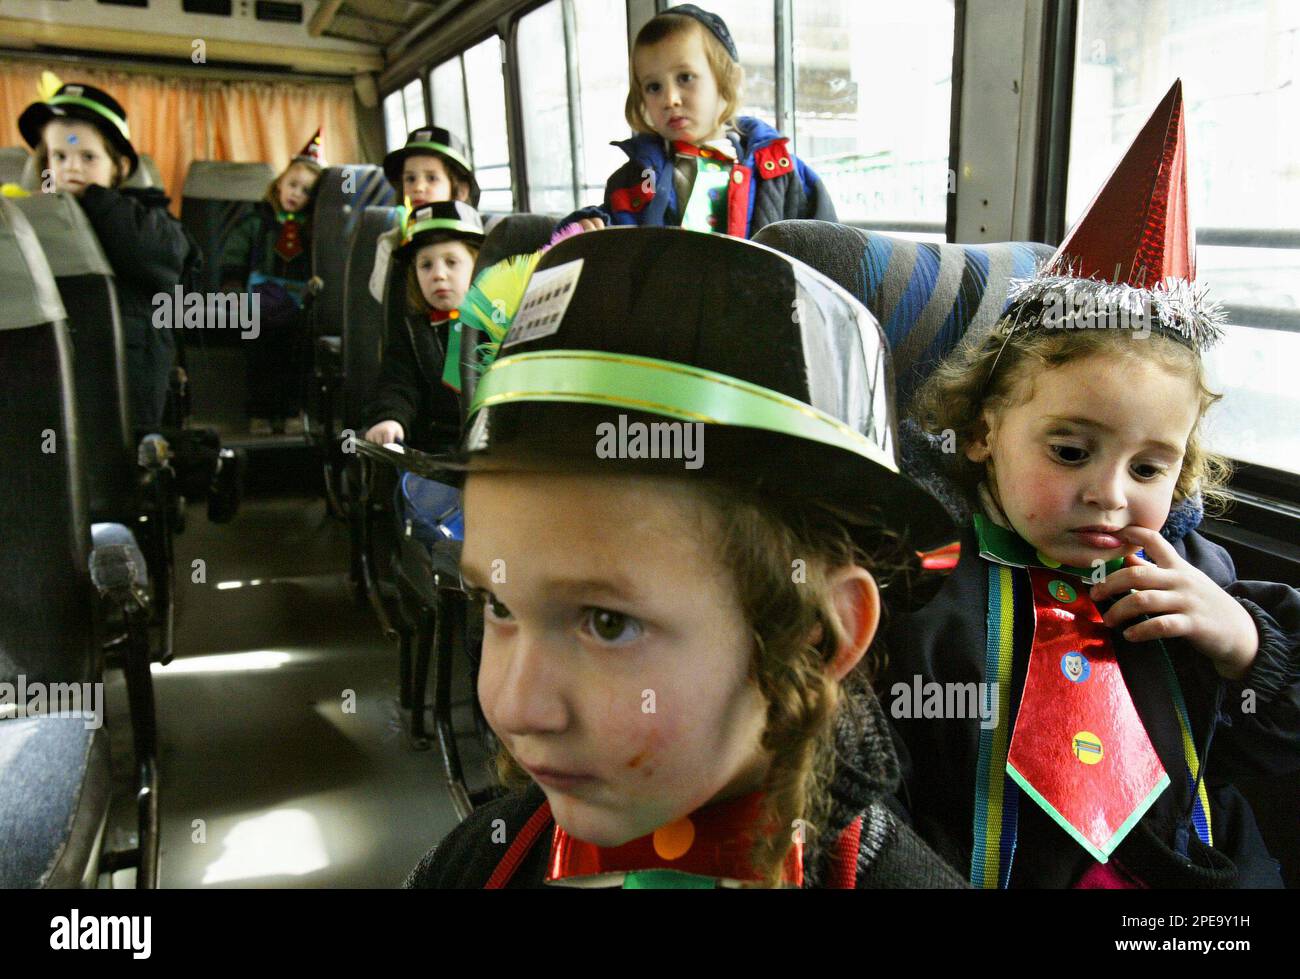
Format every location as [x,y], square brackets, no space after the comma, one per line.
[1057,300]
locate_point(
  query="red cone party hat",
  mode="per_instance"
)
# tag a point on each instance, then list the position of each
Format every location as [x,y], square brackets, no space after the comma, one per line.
[313,154]
[1134,248]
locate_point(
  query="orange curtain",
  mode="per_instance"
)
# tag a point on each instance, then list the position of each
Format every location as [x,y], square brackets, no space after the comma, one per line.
[177,121]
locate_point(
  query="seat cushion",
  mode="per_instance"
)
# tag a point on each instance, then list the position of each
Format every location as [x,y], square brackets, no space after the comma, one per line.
[55,773]
[926,295]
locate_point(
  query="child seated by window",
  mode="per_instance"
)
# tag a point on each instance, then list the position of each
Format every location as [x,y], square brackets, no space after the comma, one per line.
[1129,676]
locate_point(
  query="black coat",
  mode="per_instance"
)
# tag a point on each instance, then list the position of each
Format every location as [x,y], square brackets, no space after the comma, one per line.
[890,855]
[150,253]
[945,642]
[410,389]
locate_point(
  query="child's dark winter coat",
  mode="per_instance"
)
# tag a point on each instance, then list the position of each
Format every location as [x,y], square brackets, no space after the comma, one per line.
[946,642]
[150,253]
[410,389]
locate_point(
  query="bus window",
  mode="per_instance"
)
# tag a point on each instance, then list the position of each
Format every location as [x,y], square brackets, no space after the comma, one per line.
[485,87]
[403,111]
[468,95]
[568,164]
[413,100]
[543,92]
[1240,66]
[394,120]
[447,94]
[753,28]
[873,108]
[602,90]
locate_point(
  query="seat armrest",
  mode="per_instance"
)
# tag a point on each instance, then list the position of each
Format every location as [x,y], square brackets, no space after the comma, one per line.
[117,565]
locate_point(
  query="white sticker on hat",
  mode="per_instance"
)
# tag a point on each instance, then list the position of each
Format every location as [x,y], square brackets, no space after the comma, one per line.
[542,309]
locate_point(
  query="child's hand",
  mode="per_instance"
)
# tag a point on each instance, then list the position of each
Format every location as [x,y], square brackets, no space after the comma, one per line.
[385,432]
[591,224]
[1181,601]
[314,285]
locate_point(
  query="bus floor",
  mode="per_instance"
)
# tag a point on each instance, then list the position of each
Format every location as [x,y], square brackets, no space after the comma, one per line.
[283,760]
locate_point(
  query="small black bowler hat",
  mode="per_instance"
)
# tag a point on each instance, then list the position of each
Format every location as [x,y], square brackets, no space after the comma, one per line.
[433,141]
[83,103]
[788,374]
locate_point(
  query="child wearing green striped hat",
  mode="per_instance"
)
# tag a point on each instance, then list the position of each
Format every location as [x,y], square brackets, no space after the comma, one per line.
[433,166]
[440,243]
[82,143]
[681,507]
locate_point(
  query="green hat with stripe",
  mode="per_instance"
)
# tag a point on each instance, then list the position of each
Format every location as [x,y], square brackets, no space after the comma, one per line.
[433,141]
[81,103]
[624,336]
[443,221]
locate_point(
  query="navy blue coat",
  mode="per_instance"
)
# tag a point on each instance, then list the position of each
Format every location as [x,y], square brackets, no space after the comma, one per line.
[773,185]
[945,642]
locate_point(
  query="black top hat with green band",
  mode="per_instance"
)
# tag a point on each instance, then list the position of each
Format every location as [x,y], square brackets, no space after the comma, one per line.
[438,142]
[789,375]
[81,103]
[442,221]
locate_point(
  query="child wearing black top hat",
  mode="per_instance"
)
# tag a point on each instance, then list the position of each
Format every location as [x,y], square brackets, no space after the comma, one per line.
[83,147]
[680,503]
[694,162]
[433,166]
[440,242]
[269,254]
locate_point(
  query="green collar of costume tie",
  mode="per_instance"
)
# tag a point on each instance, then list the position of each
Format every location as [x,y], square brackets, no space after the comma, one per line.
[1009,548]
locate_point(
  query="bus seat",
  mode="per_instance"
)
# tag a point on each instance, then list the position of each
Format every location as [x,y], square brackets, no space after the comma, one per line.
[13,161]
[363,318]
[146,175]
[514,234]
[218,195]
[46,632]
[342,196]
[85,283]
[358,358]
[926,295]
[54,770]
[122,489]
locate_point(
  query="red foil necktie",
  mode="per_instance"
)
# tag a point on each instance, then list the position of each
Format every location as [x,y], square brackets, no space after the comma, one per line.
[1079,749]
[289,244]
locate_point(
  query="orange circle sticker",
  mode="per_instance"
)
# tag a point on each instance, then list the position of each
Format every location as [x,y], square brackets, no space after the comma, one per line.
[673,840]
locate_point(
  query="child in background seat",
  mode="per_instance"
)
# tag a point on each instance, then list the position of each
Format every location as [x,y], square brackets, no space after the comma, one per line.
[433,166]
[411,404]
[83,146]
[694,163]
[269,254]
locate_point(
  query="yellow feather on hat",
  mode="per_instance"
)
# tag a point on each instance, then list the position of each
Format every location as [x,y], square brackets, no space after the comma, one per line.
[49,84]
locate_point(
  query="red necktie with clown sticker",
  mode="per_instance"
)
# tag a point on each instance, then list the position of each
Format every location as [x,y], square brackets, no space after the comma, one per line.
[1079,748]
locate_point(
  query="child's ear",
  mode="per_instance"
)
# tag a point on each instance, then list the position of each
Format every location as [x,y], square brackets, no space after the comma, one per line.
[462,192]
[857,605]
[980,446]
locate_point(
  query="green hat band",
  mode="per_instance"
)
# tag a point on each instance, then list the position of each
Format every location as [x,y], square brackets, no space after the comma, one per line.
[663,387]
[446,151]
[441,224]
[118,122]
